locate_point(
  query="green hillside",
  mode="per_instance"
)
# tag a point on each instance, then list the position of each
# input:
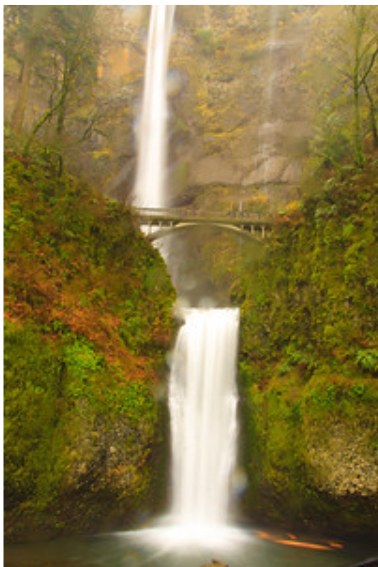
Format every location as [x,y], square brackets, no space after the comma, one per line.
[87,324]
[309,361]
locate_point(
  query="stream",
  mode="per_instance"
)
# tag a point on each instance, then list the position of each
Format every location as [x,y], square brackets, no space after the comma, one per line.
[158,547]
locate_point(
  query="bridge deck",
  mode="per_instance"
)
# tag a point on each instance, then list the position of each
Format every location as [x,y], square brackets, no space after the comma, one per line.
[184,215]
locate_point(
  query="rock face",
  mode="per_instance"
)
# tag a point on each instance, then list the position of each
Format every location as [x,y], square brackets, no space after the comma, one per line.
[266,166]
[309,365]
[342,463]
[239,110]
[213,170]
[311,469]
[87,326]
[240,118]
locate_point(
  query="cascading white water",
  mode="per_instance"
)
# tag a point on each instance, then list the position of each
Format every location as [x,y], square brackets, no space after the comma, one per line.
[202,394]
[152,143]
[203,400]
[203,410]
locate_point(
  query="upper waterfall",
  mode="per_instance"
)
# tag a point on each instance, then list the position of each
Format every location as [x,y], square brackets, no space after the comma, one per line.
[152,129]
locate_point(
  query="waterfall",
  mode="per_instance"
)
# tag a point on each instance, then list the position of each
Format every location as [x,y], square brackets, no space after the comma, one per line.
[203,412]
[203,402]
[152,142]
[202,386]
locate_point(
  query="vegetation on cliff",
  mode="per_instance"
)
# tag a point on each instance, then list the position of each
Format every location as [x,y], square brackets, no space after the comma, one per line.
[276,93]
[70,74]
[309,361]
[253,91]
[87,324]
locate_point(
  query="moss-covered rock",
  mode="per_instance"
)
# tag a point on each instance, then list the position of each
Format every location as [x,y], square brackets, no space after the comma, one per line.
[309,364]
[87,325]
[311,453]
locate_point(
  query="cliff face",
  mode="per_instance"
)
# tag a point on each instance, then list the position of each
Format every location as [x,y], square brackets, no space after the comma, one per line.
[309,364]
[83,346]
[239,108]
[87,325]
[240,114]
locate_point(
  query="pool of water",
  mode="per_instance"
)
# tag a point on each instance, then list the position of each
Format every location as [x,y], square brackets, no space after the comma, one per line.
[175,547]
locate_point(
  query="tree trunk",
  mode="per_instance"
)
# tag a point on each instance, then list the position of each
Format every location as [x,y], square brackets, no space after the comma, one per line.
[23,89]
[358,150]
[59,108]
[372,113]
[62,97]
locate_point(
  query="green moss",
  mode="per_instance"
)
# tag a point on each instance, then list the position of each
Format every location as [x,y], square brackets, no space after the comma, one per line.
[33,465]
[206,41]
[88,322]
[308,361]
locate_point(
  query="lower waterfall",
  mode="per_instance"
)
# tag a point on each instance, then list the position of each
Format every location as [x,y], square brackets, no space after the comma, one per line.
[203,415]
[203,404]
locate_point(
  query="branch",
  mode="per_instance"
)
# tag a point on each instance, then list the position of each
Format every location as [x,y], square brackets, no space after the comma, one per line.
[344,72]
[372,41]
[47,116]
[369,68]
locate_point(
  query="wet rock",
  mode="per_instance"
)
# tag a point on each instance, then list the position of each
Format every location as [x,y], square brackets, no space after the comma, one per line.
[216,169]
[344,462]
[215,563]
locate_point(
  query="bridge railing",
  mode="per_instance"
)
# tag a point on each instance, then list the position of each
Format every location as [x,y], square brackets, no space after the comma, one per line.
[180,213]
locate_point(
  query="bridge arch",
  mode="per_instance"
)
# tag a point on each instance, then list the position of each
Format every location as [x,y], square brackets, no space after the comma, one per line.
[159,222]
[256,233]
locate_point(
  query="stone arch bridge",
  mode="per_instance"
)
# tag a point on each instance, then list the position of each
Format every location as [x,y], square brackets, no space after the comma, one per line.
[160,222]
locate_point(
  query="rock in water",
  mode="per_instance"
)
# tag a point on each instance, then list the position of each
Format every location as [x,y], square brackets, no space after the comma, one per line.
[215,563]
